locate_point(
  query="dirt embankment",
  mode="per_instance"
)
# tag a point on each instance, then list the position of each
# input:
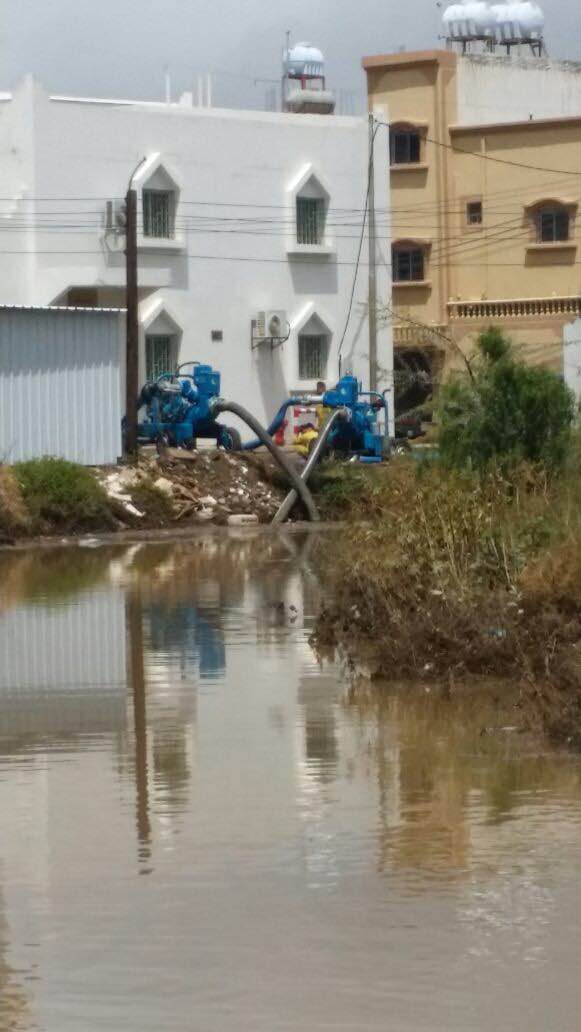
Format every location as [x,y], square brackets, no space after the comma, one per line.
[51,497]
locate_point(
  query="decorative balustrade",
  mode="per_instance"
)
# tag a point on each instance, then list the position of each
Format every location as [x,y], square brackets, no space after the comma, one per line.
[522,308]
[412,335]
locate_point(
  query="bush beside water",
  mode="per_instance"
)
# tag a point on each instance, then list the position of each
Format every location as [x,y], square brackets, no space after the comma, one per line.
[472,566]
[62,494]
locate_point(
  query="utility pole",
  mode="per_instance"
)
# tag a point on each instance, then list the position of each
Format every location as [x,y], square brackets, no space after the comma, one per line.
[372,294]
[132,337]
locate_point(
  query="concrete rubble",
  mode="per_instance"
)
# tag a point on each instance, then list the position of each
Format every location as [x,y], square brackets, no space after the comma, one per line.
[207,486]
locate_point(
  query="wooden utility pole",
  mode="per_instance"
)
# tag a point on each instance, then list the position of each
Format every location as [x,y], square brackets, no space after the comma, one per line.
[132,339]
[372,294]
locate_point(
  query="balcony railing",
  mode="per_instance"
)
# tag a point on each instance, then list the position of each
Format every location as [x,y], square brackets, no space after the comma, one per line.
[410,335]
[522,308]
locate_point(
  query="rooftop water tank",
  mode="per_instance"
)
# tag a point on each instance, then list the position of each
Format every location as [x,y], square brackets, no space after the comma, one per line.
[305,60]
[470,20]
[518,21]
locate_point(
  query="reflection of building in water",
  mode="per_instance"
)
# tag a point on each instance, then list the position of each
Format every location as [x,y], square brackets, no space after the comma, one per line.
[185,632]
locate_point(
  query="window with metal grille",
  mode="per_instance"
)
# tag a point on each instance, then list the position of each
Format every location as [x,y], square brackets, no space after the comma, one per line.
[408,264]
[310,220]
[312,357]
[552,225]
[474,213]
[158,213]
[158,356]
[404,147]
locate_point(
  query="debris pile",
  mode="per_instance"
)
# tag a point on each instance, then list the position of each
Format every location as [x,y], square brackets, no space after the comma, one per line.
[118,485]
[214,486]
[206,486]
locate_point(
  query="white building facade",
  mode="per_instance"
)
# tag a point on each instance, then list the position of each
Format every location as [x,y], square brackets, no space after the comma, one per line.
[240,215]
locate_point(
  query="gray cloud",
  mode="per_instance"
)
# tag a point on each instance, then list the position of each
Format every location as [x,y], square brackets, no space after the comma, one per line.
[119,47]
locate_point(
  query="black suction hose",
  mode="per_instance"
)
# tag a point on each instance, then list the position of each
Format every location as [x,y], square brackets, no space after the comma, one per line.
[220,405]
[318,449]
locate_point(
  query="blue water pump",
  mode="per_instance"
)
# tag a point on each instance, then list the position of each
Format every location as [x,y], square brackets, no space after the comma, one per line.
[360,435]
[178,410]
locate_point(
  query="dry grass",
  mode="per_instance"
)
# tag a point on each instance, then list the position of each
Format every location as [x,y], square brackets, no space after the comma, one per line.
[14,518]
[456,574]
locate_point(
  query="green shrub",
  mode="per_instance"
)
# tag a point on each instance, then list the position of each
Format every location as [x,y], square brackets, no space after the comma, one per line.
[506,410]
[62,494]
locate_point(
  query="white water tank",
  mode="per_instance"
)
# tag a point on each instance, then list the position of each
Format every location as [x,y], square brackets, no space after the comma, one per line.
[305,60]
[472,19]
[518,21]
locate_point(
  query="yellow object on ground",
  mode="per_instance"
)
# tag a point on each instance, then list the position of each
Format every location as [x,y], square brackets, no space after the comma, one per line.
[303,441]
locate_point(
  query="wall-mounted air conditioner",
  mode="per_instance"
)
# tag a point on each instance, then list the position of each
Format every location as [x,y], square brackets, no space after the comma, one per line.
[272,325]
[115,216]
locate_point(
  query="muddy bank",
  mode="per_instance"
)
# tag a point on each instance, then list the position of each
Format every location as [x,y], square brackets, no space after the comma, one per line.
[173,493]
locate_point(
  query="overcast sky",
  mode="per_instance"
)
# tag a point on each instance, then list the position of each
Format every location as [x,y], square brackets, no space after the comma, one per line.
[119,47]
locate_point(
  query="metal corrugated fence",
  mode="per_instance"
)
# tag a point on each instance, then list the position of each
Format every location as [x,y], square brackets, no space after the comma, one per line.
[60,384]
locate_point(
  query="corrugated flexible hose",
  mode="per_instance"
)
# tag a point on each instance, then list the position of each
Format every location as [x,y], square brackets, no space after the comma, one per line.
[220,405]
[315,456]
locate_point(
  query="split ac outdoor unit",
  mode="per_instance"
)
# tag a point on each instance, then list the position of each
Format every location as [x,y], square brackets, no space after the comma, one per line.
[115,216]
[272,325]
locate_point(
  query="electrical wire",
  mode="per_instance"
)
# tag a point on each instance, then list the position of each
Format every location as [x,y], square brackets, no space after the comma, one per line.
[370,172]
[489,157]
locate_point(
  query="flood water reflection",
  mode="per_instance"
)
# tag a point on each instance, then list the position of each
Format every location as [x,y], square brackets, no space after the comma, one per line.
[202,827]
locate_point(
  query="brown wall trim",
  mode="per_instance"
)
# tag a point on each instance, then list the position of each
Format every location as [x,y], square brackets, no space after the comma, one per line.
[412,57]
[499,127]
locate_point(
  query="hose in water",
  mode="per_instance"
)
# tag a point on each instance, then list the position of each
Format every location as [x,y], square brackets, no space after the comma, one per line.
[220,405]
[318,449]
[274,426]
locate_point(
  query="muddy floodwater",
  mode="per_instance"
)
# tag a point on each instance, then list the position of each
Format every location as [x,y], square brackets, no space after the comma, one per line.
[204,828]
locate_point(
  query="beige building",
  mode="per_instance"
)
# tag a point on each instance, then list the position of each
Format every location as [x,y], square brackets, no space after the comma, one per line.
[485,170]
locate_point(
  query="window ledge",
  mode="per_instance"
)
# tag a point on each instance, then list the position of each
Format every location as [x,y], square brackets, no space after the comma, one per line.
[155,244]
[311,250]
[553,245]
[424,283]
[414,166]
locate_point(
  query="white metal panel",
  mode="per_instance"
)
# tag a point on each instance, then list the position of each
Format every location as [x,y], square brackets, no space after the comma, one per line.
[60,384]
[572,357]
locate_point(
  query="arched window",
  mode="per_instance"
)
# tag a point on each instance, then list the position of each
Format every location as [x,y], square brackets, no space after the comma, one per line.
[312,203]
[405,145]
[552,223]
[159,206]
[552,220]
[408,262]
[160,193]
[314,338]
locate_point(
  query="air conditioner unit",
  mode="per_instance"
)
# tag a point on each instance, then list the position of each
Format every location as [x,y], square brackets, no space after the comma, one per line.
[272,325]
[115,216]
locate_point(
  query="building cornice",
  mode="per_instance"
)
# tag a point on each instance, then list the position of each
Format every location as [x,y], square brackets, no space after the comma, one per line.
[410,58]
[529,123]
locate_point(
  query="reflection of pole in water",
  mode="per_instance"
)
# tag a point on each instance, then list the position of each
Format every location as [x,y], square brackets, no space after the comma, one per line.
[134,618]
[14,1004]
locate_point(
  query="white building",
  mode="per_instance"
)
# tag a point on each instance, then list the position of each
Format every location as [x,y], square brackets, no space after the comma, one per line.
[572,358]
[239,213]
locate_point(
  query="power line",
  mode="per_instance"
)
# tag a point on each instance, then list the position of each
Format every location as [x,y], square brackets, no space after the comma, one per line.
[489,157]
[370,172]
